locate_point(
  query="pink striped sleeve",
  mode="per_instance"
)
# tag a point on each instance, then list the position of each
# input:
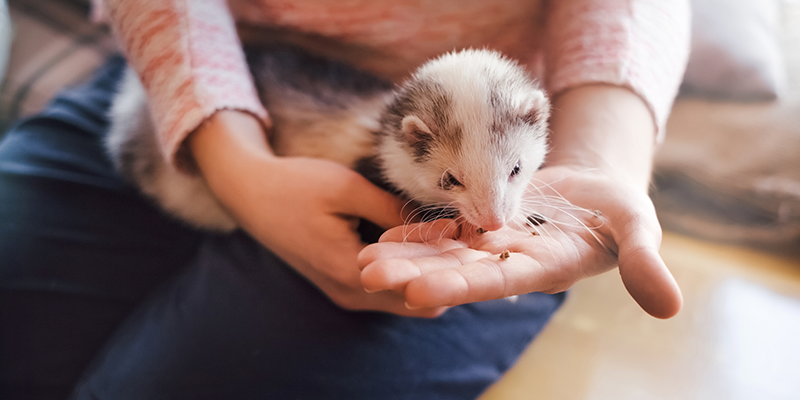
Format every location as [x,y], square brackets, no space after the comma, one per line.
[189,58]
[639,44]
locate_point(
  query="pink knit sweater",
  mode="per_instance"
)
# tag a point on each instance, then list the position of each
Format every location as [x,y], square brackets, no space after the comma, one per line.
[189,57]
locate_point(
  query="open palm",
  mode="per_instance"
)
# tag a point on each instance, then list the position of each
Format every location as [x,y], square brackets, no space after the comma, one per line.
[583,224]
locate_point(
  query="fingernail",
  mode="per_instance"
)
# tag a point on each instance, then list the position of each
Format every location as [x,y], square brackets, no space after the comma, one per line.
[408,306]
[371,291]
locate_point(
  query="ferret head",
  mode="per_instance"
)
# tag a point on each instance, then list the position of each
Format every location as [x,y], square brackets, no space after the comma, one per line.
[467,131]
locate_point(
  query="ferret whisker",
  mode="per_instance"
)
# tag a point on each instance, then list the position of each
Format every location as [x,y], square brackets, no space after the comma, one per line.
[455,222]
[564,177]
[578,223]
[540,198]
[564,206]
[428,212]
[409,217]
[548,186]
[559,203]
[559,242]
[419,212]
[559,207]
[442,177]
[560,197]
[520,225]
[568,211]
[526,226]
[431,212]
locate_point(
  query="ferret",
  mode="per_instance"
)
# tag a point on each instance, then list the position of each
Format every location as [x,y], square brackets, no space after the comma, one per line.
[466,131]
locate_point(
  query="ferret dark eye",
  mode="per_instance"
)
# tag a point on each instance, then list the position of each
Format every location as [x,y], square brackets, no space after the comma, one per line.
[449,181]
[516,170]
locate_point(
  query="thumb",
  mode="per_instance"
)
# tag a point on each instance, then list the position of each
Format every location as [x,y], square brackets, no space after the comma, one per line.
[645,275]
[367,201]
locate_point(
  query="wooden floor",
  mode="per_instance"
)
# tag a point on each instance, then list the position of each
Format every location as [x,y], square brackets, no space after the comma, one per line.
[737,336]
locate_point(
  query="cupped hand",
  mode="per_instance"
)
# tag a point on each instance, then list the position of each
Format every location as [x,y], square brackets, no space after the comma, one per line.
[318,236]
[304,210]
[592,224]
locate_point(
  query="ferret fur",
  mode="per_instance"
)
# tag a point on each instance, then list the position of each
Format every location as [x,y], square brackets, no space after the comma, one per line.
[467,131]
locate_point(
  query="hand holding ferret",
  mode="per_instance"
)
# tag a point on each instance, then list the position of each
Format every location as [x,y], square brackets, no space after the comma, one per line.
[305,210]
[592,213]
[442,264]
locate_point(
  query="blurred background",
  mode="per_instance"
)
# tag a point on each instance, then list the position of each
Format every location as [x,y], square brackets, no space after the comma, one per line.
[726,188]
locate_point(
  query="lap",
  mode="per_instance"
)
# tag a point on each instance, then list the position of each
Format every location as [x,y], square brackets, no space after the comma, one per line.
[81,256]
[242,324]
[79,248]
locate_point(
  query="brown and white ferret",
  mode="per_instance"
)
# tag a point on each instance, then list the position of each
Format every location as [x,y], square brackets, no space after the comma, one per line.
[465,132]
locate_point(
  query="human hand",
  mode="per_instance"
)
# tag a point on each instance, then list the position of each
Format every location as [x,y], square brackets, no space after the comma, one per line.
[440,264]
[304,210]
[602,145]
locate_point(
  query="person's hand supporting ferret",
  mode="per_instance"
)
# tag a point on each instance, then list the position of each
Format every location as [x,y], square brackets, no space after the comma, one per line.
[304,210]
[602,146]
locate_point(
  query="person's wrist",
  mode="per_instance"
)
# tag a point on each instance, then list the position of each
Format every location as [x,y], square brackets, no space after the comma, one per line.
[227,140]
[227,148]
[606,129]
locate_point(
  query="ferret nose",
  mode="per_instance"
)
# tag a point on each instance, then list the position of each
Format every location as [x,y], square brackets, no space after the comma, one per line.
[492,224]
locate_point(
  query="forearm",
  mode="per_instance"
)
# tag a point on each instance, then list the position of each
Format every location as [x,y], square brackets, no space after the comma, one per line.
[189,59]
[225,148]
[642,45]
[605,128]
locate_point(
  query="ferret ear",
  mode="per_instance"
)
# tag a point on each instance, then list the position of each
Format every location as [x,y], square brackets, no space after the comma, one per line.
[415,130]
[536,109]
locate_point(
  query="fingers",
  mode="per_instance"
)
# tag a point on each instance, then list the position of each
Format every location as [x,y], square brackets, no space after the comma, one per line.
[360,198]
[340,281]
[430,265]
[429,277]
[423,232]
[390,266]
[631,222]
[487,278]
[390,302]
[392,262]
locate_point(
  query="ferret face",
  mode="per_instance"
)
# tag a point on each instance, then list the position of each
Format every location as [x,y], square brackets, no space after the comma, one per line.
[467,131]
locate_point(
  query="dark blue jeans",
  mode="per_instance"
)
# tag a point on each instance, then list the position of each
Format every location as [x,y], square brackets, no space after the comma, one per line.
[104,297]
